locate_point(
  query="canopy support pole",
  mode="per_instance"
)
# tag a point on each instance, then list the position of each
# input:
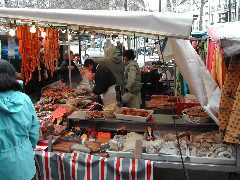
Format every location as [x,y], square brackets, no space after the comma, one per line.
[144,53]
[69,61]
[80,46]
[134,41]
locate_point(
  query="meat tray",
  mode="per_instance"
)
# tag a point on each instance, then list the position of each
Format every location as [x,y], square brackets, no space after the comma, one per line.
[194,120]
[137,118]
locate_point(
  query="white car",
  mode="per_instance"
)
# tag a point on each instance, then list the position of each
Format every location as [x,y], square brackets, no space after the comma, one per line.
[93,53]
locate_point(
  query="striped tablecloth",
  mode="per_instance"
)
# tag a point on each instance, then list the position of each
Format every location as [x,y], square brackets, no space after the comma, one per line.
[79,166]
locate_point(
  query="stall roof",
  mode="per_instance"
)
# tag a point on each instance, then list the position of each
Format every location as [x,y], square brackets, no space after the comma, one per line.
[227,35]
[176,25]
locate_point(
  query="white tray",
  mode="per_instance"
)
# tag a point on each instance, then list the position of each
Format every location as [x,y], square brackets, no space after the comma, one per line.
[120,154]
[207,160]
[156,157]
[133,118]
[78,115]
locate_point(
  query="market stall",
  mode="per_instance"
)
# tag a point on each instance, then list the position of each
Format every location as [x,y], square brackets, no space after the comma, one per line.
[145,136]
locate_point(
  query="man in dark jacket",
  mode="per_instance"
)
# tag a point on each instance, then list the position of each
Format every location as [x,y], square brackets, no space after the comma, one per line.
[63,70]
[104,81]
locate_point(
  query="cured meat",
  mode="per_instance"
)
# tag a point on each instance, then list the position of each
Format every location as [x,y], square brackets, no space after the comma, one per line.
[51,47]
[29,48]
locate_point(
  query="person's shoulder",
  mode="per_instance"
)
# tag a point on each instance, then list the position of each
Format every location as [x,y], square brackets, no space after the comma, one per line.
[102,66]
[24,96]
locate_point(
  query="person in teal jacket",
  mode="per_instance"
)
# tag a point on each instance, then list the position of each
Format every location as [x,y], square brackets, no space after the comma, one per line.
[19,128]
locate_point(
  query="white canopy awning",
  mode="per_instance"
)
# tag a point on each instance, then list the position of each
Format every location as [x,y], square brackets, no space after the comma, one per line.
[176,25]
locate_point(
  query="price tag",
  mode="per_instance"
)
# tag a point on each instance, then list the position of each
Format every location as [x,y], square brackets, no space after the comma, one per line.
[103,135]
[58,113]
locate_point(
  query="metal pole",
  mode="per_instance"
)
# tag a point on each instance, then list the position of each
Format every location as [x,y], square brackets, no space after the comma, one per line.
[125,5]
[85,47]
[230,11]
[134,40]
[144,54]
[122,46]
[175,79]
[69,61]
[235,5]
[80,46]
[160,5]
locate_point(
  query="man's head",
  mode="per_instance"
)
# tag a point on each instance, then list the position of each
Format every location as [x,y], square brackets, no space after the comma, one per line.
[128,55]
[90,68]
[71,55]
[77,57]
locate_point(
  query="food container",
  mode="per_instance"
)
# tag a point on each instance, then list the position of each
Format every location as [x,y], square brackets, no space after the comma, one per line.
[109,110]
[162,102]
[208,160]
[156,157]
[120,154]
[194,119]
[83,115]
[183,105]
[136,118]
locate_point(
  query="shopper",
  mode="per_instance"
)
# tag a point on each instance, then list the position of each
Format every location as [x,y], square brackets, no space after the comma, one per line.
[63,71]
[19,128]
[132,81]
[120,49]
[116,66]
[104,81]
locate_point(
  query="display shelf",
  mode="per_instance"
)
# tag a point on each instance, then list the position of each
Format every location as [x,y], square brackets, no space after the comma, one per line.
[165,123]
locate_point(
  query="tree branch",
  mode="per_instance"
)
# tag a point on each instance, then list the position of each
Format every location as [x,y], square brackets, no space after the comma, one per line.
[195,4]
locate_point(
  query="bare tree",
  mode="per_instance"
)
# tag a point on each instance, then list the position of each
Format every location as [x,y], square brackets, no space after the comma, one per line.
[135,5]
[203,2]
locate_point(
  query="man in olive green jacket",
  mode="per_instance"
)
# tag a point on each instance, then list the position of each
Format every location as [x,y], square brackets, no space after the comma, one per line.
[116,66]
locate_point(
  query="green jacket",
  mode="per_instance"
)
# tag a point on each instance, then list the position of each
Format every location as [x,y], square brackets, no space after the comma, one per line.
[115,64]
[132,77]
[19,128]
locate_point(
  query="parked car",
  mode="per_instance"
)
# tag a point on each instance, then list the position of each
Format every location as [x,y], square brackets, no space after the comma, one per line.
[93,53]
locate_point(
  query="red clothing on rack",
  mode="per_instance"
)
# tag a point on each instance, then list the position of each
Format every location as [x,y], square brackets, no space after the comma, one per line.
[211,49]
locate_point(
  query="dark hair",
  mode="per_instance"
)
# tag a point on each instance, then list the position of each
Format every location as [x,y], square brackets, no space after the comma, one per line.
[66,53]
[8,77]
[88,62]
[129,54]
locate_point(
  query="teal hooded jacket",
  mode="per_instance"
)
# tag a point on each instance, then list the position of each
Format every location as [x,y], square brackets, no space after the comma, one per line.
[19,131]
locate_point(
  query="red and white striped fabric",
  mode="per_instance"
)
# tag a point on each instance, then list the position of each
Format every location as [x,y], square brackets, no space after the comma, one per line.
[43,144]
[78,166]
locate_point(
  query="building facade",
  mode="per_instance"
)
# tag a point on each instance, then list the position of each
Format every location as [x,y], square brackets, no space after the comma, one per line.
[213,11]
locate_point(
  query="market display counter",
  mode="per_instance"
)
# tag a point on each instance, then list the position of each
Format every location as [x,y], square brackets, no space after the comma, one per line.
[66,156]
[164,123]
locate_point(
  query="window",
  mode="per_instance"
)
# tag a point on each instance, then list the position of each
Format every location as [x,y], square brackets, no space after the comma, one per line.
[206,23]
[233,16]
